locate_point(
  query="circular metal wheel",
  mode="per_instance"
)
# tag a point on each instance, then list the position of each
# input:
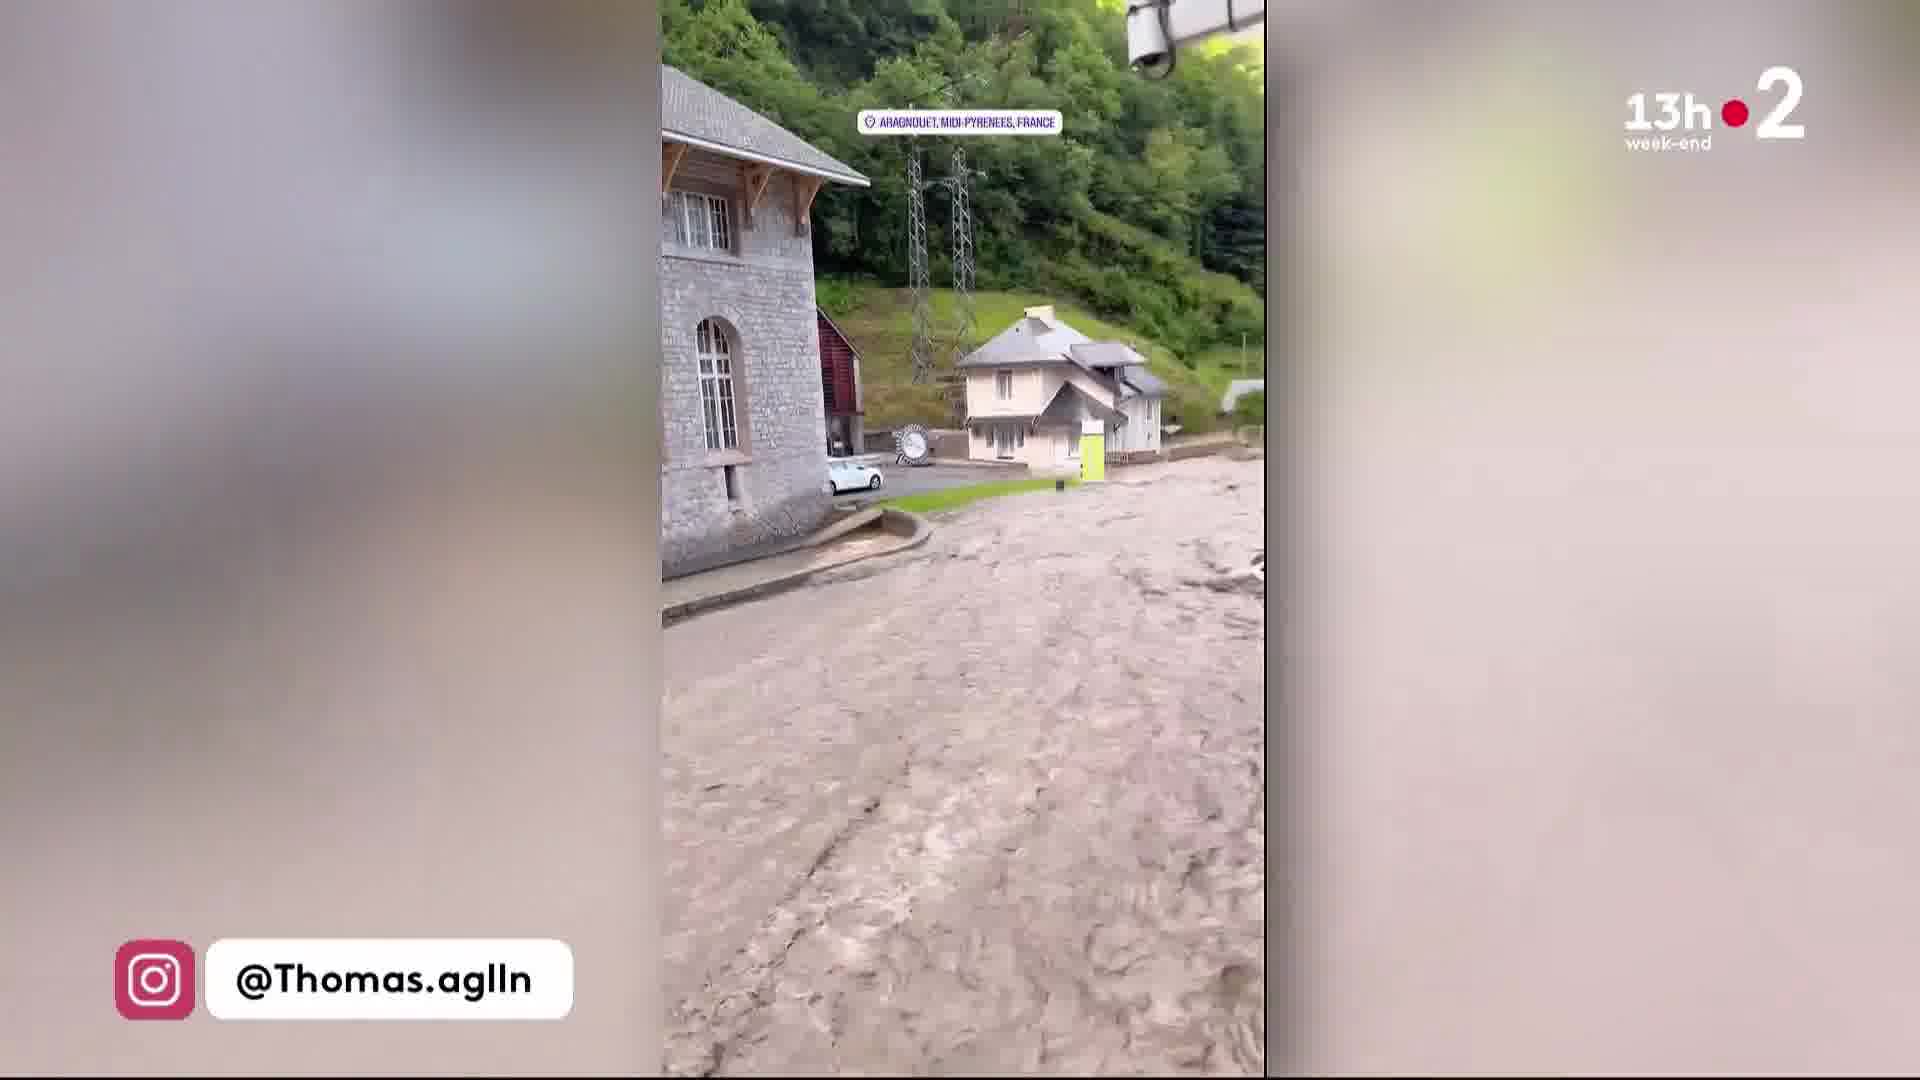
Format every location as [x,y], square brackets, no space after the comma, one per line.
[913,444]
[873,484]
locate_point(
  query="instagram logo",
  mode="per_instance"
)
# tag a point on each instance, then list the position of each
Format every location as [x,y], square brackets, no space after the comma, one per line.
[153,979]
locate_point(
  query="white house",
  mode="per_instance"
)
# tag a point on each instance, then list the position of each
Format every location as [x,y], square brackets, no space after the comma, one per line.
[1032,385]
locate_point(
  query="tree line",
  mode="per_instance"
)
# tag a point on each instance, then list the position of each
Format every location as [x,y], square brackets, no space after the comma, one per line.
[1149,207]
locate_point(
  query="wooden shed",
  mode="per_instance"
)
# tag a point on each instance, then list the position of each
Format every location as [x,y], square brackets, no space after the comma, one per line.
[840,385]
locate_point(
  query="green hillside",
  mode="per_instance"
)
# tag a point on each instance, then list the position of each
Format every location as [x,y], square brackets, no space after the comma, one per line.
[1144,219]
[880,322]
[1148,207]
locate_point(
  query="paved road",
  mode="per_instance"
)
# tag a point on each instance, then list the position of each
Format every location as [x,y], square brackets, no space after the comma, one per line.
[908,480]
[994,806]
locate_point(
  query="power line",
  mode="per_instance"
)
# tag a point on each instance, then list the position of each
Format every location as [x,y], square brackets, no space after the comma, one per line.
[960,224]
[917,277]
[962,228]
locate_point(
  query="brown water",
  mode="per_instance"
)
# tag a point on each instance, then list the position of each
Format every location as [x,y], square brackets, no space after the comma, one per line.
[992,806]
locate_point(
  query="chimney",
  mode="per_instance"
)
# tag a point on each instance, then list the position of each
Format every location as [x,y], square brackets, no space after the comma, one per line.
[1044,314]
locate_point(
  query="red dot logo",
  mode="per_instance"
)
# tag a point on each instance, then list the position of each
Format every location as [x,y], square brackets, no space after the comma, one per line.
[1734,113]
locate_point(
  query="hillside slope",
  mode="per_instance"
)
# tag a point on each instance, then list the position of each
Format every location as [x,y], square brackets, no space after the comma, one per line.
[1150,201]
[880,322]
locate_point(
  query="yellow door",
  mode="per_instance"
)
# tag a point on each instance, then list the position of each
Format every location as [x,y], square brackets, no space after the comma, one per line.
[1093,453]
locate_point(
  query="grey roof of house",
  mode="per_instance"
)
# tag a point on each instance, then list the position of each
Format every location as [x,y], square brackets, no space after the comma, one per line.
[1143,381]
[1011,347]
[1029,342]
[1055,337]
[1238,388]
[1105,354]
[696,113]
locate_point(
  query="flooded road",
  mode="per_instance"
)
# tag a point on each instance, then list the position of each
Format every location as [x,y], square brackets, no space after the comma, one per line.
[995,805]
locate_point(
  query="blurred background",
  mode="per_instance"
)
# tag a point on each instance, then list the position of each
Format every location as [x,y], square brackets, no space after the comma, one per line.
[328,569]
[1601,647]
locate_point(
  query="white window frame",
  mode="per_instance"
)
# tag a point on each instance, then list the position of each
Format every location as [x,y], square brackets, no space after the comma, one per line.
[719,401]
[701,221]
[1003,385]
[1006,438]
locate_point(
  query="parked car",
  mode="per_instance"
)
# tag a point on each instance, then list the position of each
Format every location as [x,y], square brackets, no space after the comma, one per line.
[844,476]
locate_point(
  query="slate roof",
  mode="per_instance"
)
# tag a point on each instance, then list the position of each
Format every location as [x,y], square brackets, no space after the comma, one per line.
[1027,341]
[693,111]
[1144,382]
[1106,354]
[1011,347]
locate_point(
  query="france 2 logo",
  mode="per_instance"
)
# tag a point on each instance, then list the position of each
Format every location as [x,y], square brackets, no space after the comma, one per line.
[1679,121]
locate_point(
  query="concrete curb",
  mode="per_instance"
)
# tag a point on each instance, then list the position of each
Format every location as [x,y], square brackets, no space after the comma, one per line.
[911,528]
[887,461]
[847,523]
[1208,446]
[971,463]
[903,523]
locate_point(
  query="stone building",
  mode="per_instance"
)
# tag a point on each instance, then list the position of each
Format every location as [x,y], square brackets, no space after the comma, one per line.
[745,456]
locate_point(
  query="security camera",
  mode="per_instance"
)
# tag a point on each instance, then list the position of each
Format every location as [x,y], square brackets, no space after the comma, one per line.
[1156,28]
[1147,44]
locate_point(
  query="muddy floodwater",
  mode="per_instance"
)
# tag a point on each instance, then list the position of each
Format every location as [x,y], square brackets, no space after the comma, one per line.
[992,806]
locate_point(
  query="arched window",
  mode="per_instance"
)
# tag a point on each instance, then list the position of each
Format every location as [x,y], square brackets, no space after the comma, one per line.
[717,398]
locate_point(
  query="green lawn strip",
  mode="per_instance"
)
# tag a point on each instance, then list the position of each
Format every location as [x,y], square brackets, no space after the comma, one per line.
[933,502]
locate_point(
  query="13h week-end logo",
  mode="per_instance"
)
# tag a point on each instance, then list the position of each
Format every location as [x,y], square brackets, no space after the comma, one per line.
[1683,121]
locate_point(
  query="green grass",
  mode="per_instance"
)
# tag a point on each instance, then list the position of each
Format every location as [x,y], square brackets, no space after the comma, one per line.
[880,322]
[1206,377]
[932,502]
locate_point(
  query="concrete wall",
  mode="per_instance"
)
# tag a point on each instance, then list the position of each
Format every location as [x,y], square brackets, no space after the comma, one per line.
[947,442]
[1201,446]
[1181,448]
[763,291]
[951,443]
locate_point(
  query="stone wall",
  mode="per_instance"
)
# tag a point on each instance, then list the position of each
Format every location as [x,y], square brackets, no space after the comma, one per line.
[946,442]
[763,293]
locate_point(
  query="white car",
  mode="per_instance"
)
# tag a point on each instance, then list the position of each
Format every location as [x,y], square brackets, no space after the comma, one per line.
[845,476]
